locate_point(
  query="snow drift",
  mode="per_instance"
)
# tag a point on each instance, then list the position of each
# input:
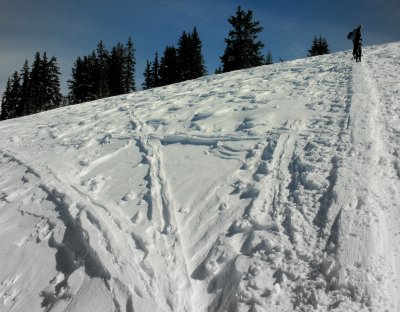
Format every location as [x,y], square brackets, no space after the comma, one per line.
[271,189]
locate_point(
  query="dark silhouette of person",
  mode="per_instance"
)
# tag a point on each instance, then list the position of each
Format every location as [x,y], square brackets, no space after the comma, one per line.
[357,43]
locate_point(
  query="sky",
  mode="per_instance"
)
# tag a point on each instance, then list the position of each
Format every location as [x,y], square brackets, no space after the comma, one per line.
[67,29]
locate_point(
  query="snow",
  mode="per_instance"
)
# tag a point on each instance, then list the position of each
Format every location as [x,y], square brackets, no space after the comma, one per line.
[275,188]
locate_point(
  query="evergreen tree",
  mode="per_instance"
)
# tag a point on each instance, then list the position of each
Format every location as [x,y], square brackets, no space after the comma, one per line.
[36,86]
[44,84]
[75,84]
[268,58]
[52,95]
[4,101]
[25,90]
[15,96]
[197,61]
[155,72]
[190,58]
[242,48]
[313,51]
[148,77]
[102,62]
[130,67]
[319,47]
[323,46]
[103,73]
[218,70]
[84,85]
[184,57]
[169,69]
[40,88]
[116,70]
[12,97]
[6,107]
[93,77]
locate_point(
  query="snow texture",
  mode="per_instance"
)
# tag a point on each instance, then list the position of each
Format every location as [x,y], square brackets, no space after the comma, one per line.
[275,188]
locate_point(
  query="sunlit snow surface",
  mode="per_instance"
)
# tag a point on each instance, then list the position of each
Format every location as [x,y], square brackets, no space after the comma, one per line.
[271,189]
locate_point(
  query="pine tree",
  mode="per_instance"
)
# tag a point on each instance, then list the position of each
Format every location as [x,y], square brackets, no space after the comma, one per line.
[92,77]
[84,84]
[25,90]
[44,77]
[44,82]
[242,48]
[40,88]
[190,57]
[75,84]
[155,71]
[323,46]
[12,97]
[169,69]
[116,70]
[103,73]
[16,95]
[268,58]
[319,47]
[6,103]
[218,70]
[52,96]
[313,51]
[36,86]
[197,61]
[184,57]
[148,77]
[103,61]
[130,67]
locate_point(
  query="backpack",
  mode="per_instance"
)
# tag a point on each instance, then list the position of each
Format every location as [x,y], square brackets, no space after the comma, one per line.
[351,35]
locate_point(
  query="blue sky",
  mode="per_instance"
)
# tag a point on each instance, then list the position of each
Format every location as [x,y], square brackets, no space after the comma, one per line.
[71,28]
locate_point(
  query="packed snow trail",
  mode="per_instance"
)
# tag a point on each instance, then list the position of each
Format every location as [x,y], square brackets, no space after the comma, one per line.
[271,189]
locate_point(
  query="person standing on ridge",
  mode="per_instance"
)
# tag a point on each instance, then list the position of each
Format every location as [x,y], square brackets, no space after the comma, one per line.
[355,36]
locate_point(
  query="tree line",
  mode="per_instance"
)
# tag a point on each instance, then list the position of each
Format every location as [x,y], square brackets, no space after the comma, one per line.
[105,73]
[34,89]
[177,64]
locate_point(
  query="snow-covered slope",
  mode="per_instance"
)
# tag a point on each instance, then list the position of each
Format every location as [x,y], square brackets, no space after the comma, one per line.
[271,189]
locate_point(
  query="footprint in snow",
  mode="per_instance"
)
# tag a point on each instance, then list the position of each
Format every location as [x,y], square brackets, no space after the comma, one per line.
[129,196]
[201,116]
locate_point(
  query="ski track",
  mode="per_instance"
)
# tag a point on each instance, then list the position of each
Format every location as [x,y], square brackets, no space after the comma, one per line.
[298,213]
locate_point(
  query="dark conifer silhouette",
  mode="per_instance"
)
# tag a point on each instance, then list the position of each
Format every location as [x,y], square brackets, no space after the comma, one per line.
[197,61]
[243,50]
[52,98]
[184,56]
[169,67]
[155,72]
[148,77]
[116,70]
[84,83]
[190,57]
[103,73]
[129,70]
[34,90]
[11,97]
[15,96]
[25,90]
[268,58]
[5,103]
[319,47]
[102,62]
[44,83]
